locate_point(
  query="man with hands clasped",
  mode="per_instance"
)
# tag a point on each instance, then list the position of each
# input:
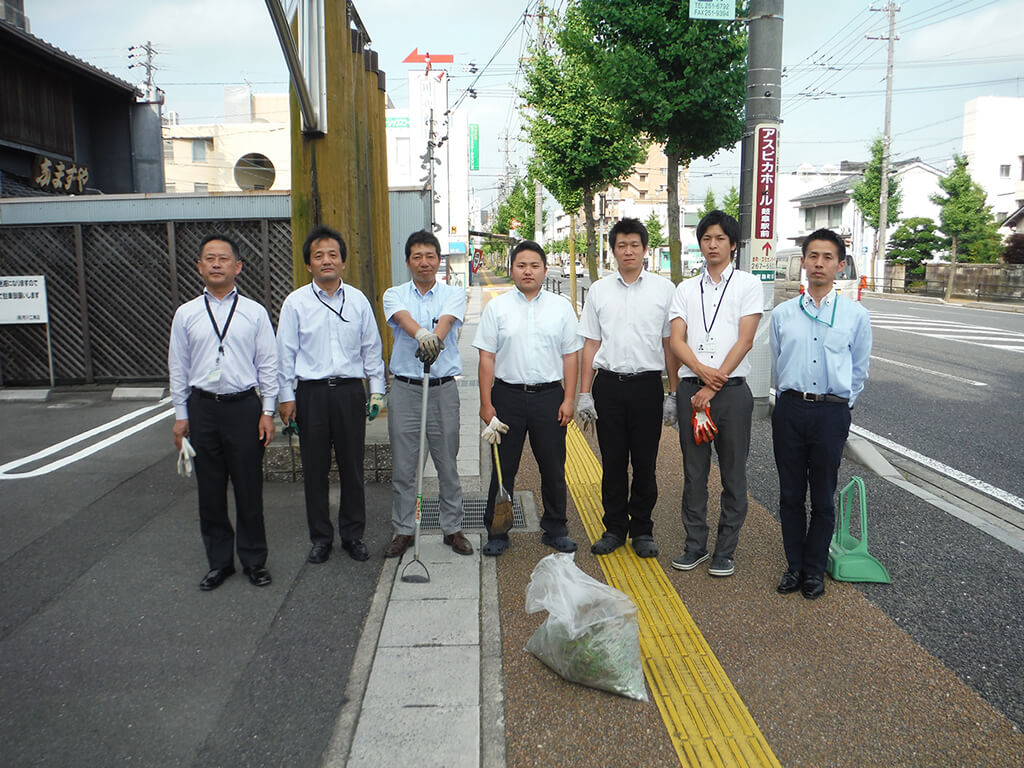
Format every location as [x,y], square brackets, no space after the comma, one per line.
[714,318]
[626,334]
[528,345]
[328,343]
[424,313]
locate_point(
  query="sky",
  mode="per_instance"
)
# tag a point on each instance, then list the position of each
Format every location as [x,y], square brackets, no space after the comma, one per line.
[947,52]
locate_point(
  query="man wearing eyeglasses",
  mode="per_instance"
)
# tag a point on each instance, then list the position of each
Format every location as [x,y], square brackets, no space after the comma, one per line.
[820,345]
[328,343]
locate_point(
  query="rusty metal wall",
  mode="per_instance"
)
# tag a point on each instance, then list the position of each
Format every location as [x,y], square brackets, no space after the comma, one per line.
[113,288]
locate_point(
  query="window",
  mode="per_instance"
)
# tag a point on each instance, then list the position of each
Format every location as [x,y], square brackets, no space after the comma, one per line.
[643,194]
[199,150]
[169,187]
[201,186]
[168,149]
[809,219]
[643,176]
[835,215]
[1004,171]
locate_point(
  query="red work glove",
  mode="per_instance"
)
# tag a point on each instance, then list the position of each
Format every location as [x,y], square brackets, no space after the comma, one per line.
[704,429]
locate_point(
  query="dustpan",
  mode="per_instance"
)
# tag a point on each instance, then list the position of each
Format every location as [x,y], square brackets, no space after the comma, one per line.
[848,556]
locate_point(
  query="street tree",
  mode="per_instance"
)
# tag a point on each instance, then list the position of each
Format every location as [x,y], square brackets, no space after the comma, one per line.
[914,242]
[681,81]
[966,220]
[582,140]
[867,193]
[710,204]
[655,238]
[1014,251]
[731,203]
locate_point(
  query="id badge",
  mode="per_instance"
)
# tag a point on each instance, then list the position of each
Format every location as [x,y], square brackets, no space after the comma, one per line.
[214,375]
[708,346]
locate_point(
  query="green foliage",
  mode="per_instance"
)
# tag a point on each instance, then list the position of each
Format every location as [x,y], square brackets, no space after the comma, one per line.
[518,204]
[562,245]
[655,238]
[965,218]
[710,204]
[913,242]
[1014,251]
[866,193]
[731,203]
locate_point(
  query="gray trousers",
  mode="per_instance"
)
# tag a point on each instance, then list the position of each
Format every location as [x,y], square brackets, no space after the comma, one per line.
[404,407]
[731,410]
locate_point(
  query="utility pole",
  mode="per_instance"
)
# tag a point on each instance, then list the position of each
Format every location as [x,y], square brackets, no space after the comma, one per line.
[147,49]
[883,199]
[538,188]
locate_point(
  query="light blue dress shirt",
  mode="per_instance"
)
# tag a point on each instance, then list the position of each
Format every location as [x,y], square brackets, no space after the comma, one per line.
[824,349]
[194,360]
[528,337]
[426,309]
[313,342]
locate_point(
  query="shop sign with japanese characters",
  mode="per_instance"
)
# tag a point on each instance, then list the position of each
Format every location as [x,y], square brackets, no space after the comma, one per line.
[762,241]
[59,176]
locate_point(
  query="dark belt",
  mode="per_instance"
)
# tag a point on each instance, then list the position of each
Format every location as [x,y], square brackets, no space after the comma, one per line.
[629,376]
[333,381]
[229,397]
[419,382]
[735,381]
[529,387]
[810,397]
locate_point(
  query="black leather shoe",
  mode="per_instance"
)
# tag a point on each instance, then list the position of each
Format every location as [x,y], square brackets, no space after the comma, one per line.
[789,583]
[215,578]
[320,553]
[356,549]
[258,575]
[813,587]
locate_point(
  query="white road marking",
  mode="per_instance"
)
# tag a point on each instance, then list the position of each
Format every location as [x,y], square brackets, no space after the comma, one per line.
[998,494]
[6,472]
[949,330]
[940,374]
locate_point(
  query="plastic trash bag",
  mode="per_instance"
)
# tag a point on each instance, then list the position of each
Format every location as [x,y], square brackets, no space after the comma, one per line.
[591,634]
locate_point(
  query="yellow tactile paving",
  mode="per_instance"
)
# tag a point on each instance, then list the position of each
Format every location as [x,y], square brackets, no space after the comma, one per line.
[706,719]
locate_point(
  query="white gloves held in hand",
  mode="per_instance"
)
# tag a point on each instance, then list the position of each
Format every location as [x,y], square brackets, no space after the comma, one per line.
[430,346]
[586,413]
[669,414]
[492,432]
[185,456]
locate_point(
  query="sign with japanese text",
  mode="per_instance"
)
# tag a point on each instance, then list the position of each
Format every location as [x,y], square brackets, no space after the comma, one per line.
[396,122]
[474,147]
[59,176]
[719,10]
[766,169]
[23,300]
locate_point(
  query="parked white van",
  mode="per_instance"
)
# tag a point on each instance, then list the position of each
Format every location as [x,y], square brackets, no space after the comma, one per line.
[791,279]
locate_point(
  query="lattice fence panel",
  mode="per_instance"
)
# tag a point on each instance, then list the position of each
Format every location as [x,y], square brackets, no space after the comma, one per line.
[130,308]
[48,251]
[280,266]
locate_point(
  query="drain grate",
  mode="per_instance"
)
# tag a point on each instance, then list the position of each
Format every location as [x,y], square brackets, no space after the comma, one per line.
[473,507]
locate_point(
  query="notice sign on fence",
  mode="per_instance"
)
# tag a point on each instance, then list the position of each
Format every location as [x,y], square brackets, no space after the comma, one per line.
[23,300]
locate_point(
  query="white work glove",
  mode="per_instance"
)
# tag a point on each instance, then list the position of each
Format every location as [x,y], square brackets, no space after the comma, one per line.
[586,414]
[704,429]
[669,414]
[492,432]
[185,458]
[430,346]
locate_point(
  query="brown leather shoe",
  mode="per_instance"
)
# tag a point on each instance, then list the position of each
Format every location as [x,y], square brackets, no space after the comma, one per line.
[398,545]
[459,543]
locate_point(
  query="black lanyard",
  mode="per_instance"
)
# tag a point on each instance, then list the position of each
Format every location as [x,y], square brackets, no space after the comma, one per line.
[216,330]
[332,309]
[704,317]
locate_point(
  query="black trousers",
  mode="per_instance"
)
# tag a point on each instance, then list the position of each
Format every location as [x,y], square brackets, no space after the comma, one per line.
[225,436]
[534,414]
[808,439]
[629,414]
[332,417]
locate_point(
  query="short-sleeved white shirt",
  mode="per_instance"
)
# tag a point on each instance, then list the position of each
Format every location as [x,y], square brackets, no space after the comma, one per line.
[630,320]
[528,337]
[737,295]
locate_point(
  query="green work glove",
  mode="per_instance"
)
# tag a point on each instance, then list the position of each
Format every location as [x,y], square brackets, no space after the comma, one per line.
[374,407]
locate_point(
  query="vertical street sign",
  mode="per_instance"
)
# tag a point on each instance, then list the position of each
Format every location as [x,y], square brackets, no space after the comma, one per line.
[474,147]
[763,234]
[718,10]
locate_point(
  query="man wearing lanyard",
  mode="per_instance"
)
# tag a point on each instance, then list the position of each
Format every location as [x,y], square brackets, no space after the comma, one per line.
[528,345]
[328,343]
[714,319]
[221,350]
[820,345]
[423,314]
[626,346]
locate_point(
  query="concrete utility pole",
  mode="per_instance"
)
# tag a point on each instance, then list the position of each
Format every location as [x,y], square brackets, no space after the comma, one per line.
[148,50]
[883,199]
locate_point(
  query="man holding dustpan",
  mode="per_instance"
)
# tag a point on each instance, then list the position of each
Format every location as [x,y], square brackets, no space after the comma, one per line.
[820,345]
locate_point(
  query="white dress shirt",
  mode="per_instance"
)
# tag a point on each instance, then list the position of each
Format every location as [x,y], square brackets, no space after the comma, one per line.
[195,359]
[528,337]
[426,309]
[630,320]
[313,342]
[712,313]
